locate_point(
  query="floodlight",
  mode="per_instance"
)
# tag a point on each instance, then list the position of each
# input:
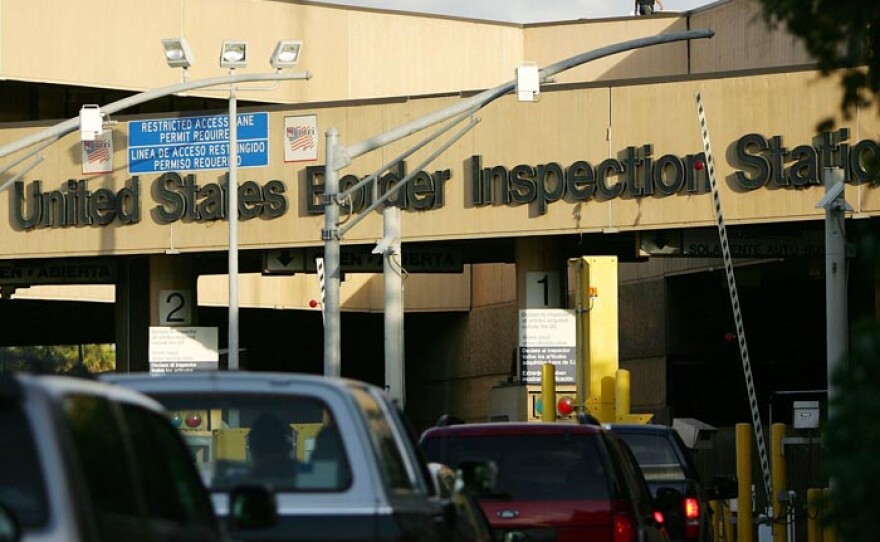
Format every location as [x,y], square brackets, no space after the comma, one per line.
[177,53]
[286,54]
[233,54]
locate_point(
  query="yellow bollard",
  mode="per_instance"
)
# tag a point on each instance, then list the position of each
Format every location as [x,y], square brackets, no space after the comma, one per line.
[548,392]
[814,523]
[744,515]
[777,469]
[828,532]
[728,524]
[717,524]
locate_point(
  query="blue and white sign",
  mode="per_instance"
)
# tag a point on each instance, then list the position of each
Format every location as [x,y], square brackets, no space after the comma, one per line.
[196,143]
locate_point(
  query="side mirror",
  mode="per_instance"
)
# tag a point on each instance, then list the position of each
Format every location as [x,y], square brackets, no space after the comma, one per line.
[252,507]
[443,478]
[724,486]
[10,530]
[477,476]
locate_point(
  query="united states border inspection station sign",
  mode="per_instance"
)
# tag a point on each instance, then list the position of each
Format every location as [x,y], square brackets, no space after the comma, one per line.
[196,143]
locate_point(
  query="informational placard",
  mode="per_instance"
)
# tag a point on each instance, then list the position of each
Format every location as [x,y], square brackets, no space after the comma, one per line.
[196,143]
[547,336]
[183,349]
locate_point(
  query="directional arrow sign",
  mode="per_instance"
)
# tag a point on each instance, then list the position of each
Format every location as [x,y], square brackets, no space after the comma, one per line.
[283,261]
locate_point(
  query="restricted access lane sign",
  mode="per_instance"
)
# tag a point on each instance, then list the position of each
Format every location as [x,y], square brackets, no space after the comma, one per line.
[196,143]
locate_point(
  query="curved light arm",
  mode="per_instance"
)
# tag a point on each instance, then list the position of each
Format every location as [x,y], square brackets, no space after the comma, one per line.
[72,125]
[345,155]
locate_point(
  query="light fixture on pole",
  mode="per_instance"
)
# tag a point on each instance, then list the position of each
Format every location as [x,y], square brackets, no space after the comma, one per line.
[177,53]
[233,54]
[286,54]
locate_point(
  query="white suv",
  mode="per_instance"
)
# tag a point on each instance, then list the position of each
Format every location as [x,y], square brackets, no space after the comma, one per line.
[84,460]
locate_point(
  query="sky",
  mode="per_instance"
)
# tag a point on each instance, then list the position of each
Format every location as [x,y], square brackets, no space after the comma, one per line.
[520,11]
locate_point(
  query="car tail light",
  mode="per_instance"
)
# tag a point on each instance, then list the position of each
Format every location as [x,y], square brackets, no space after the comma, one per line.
[658,517]
[624,525]
[691,517]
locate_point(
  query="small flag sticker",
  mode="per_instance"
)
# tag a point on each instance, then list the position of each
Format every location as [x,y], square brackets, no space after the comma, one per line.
[301,138]
[97,155]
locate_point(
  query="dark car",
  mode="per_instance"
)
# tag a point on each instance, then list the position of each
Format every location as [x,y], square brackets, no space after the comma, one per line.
[667,465]
[338,454]
[555,482]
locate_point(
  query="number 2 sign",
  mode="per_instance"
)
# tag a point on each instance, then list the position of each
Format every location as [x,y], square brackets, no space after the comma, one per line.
[175,308]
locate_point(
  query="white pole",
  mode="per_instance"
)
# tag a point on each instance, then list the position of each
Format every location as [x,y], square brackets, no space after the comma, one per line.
[392,272]
[332,324]
[232,211]
[835,279]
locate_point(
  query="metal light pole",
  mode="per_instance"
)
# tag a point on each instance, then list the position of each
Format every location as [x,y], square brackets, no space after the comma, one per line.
[392,271]
[338,157]
[232,198]
[835,274]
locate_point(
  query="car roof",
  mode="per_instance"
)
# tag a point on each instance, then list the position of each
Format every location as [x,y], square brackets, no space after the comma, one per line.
[57,386]
[640,428]
[510,428]
[220,380]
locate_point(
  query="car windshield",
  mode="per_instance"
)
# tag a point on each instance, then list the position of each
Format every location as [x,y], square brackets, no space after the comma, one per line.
[655,455]
[290,442]
[531,467]
[21,479]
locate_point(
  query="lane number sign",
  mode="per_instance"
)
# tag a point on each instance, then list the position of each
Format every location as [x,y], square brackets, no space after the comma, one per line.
[542,290]
[175,308]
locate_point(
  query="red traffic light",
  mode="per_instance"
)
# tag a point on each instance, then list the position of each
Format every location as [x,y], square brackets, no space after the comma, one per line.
[565,406]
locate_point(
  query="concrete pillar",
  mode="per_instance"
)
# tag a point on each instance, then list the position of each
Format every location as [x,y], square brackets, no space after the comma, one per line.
[173,290]
[132,317]
[540,284]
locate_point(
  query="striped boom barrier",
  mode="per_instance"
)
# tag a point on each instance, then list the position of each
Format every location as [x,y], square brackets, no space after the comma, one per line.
[734,301]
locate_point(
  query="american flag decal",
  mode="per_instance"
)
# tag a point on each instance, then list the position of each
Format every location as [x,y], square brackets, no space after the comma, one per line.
[97,155]
[97,151]
[301,138]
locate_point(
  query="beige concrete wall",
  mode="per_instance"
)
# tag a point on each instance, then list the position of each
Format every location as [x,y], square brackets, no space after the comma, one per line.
[352,53]
[361,292]
[742,40]
[357,53]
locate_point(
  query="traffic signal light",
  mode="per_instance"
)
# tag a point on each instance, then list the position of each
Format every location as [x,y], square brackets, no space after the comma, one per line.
[565,405]
[190,420]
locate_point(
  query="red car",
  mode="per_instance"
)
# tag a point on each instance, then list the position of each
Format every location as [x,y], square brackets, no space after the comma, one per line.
[555,482]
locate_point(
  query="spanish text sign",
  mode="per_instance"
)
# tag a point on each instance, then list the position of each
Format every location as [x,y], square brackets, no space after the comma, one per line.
[547,336]
[196,143]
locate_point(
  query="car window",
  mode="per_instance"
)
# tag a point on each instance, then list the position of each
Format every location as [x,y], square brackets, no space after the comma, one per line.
[172,489]
[22,487]
[288,441]
[532,466]
[101,452]
[656,456]
[382,438]
[633,478]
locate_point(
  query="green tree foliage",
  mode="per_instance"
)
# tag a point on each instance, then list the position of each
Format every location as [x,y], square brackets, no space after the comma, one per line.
[840,36]
[852,439]
[92,358]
